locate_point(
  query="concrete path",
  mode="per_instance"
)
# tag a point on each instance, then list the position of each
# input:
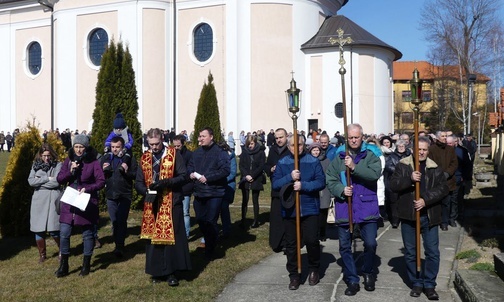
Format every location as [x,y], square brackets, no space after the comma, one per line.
[268,280]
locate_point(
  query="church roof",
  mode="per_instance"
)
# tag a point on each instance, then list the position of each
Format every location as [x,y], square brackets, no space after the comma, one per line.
[360,37]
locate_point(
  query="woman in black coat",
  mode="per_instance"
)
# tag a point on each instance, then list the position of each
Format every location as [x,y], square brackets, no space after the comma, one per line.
[252,160]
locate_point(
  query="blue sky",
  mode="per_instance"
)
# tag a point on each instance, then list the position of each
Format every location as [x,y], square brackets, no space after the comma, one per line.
[395,22]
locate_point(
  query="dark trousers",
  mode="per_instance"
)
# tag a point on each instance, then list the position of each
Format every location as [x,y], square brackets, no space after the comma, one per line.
[309,236]
[323,222]
[207,213]
[118,211]
[87,238]
[446,208]
[430,266]
[255,202]
[368,234]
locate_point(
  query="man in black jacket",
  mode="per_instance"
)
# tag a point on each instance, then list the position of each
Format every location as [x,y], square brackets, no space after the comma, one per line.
[209,168]
[118,191]
[433,188]
[276,152]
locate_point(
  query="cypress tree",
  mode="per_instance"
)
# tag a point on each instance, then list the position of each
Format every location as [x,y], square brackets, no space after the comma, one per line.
[116,92]
[208,112]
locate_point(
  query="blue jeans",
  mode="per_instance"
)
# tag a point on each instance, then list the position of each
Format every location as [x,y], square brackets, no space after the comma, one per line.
[207,213]
[118,211]
[368,234]
[42,235]
[87,238]
[186,202]
[430,266]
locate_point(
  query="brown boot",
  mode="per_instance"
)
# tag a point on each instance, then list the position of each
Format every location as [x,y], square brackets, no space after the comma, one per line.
[41,245]
[57,240]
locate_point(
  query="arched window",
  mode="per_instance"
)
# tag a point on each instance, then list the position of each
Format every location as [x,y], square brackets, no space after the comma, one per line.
[338,110]
[203,42]
[34,58]
[98,42]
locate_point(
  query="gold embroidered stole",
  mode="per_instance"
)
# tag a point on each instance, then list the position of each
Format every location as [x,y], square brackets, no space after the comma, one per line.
[159,229]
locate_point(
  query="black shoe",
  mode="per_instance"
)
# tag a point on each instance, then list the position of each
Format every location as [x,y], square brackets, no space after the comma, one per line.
[431,294]
[294,283]
[86,266]
[63,268]
[158,279]
[453,224]
[416,291]
[255,225]
[444,227]
[172,281]
[352,289]
[369,282]
[313,278]
[118,252]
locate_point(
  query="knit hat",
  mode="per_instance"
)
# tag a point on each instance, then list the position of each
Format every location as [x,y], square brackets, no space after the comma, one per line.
[81,139]
[119,122]
[314,145]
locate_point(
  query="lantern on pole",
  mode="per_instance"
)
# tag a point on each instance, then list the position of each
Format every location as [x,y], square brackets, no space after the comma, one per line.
[293,100]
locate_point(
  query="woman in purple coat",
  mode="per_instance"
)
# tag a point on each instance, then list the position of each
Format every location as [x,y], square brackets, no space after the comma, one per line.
[82,171]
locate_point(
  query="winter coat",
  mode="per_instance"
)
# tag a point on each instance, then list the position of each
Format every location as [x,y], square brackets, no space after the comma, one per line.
[2,138]
[364,179]
[274,155]
[188,187]
[43,216]
[117,184]
[231,179]
[252,163]
[464,165]
[435,189]
[445,157]
[325,195]
[312,182]
[89,176]
[212,162]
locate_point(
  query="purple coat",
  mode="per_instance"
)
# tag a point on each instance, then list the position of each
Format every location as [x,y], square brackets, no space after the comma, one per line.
[89,176]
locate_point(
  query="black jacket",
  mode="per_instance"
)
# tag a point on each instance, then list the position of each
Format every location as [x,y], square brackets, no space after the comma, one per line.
[118,185]
[435,189]
[252,163]
[213,163]
[188,187]
[274,155]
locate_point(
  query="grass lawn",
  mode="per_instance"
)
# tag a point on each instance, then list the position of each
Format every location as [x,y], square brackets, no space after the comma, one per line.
[111,279]
[4,158]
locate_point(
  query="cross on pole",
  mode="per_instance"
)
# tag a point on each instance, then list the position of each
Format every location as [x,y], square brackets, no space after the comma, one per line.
[341,42]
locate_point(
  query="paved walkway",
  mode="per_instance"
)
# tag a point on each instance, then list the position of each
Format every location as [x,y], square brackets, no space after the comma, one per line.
[268,280]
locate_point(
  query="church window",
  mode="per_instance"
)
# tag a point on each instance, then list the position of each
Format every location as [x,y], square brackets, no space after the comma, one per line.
[338,110]
[34,58]
[203,42]
[98,42]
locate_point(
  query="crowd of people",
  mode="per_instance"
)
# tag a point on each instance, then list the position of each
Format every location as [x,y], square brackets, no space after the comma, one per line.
[375,172]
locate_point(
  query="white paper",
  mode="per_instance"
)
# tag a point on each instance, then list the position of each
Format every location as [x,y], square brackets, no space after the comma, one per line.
[76,199]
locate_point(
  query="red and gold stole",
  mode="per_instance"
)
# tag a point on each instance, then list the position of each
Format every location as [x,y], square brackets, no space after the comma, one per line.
[159,229]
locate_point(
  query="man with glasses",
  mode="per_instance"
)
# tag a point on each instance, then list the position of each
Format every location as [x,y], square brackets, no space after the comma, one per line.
[160,177]
[363,160]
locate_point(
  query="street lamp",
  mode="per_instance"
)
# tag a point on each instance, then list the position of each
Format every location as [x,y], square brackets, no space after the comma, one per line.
[471,79]
[416,100]
[293,99]
[479,131]
[49,5]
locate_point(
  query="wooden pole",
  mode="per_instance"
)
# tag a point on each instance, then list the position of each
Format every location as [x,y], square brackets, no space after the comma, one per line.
[417,189]
[298,208]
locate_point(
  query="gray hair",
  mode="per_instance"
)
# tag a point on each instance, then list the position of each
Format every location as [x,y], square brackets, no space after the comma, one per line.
[424,139]
[290,139]
[401,142]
